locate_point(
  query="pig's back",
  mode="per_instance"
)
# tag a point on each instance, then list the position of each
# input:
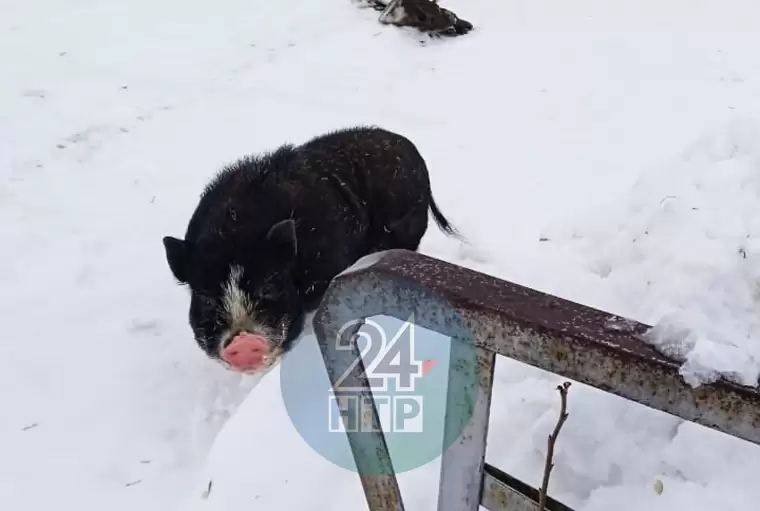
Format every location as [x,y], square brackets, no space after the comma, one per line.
[379,172]
[245,199]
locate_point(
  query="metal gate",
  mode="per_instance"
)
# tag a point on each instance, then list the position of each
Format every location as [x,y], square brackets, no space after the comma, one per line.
[581,343]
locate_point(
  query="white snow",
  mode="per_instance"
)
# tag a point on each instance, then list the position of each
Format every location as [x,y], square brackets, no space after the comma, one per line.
[624,132]
[682,253]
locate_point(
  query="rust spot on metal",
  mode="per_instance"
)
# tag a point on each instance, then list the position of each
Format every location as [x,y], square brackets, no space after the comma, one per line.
[503,492]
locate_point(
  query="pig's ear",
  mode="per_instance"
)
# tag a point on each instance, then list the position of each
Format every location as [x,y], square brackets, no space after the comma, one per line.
[283,236]
[179,256]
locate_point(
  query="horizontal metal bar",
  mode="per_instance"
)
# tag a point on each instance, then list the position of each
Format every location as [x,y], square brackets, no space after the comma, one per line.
[569,339]
[502,492]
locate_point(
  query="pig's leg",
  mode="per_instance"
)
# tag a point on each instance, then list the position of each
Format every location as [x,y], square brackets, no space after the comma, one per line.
[405,233]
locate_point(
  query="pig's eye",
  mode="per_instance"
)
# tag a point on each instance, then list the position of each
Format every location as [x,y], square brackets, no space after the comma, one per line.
[208,302]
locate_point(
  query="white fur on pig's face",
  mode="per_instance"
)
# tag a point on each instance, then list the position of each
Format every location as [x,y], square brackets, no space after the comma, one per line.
[240,312]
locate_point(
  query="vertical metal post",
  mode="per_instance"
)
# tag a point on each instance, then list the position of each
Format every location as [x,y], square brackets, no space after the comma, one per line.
[369,448]
[462,463]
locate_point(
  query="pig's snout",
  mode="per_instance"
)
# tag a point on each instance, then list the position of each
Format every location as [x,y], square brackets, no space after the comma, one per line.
[246,352]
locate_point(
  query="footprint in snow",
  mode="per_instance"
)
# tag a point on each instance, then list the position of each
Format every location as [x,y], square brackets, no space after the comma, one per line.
[139,326]
[34,93]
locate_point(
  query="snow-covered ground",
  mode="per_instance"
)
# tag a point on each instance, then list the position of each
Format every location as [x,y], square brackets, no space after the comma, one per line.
[626,133]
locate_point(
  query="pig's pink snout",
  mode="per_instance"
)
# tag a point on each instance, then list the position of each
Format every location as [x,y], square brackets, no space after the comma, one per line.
[246,351]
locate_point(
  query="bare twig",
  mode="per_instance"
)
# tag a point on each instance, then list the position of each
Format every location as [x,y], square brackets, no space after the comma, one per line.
[552,440]
[207,491]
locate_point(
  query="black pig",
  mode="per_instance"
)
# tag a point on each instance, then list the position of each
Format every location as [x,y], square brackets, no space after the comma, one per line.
[271,231]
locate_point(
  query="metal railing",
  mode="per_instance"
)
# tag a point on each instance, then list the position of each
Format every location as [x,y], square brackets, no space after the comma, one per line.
[571,340]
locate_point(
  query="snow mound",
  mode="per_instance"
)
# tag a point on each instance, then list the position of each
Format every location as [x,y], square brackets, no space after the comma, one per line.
[682,253]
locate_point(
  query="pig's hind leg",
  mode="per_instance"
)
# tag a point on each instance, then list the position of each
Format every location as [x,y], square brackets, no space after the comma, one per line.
[405,233]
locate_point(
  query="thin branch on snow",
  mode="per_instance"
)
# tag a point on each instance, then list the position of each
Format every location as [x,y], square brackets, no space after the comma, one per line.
[553,440]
